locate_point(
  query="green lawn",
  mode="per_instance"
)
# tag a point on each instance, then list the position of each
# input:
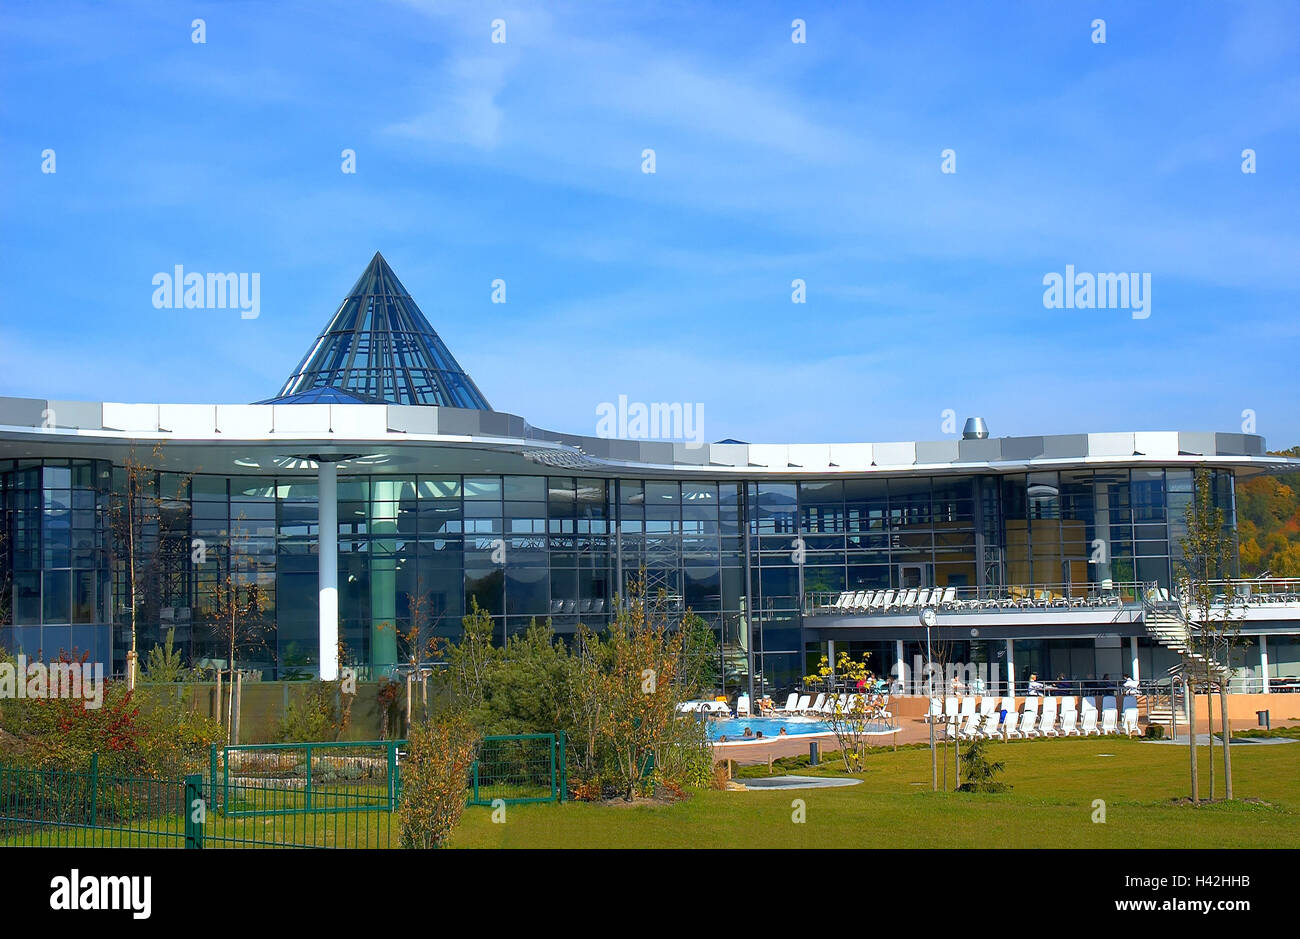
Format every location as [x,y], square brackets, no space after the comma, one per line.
[1055,783]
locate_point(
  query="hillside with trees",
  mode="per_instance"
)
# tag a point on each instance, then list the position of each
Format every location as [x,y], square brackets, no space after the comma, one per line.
[1268,523]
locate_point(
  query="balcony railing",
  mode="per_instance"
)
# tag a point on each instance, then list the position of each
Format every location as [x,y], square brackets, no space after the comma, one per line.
[1254,593]
[1108,595]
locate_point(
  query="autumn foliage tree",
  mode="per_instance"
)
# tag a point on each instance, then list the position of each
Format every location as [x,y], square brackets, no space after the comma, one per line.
[640,687]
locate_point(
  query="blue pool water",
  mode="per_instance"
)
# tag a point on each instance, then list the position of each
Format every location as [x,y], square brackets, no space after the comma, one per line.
[734,729]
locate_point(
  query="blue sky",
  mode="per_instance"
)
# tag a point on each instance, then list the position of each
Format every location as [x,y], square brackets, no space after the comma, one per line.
[774,160]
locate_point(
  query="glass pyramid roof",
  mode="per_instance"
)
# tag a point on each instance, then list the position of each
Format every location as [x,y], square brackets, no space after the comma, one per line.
[379,348]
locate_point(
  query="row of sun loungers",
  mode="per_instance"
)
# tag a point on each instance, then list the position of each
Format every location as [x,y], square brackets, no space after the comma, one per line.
[898,600]
[564,607]
[827,704]
[1058,717]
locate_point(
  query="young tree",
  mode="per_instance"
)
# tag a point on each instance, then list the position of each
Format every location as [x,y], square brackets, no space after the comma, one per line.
[849,724]
[469,661]
[6,576]
[640,685]
[417,643]
[236,622]
[141,543]
[435,779]
[165,664]
[1208,592]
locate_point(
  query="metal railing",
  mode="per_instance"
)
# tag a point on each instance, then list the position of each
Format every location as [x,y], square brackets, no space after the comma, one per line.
[1258,591]
[516,768]
[339,776]
[62,808]
[893,601]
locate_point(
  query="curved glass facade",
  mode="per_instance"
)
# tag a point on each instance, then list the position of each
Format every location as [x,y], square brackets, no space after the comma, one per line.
[537,547]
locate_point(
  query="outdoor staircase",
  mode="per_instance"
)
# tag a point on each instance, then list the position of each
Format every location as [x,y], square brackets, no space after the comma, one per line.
[735,662]
[1165,710]
[1169,625]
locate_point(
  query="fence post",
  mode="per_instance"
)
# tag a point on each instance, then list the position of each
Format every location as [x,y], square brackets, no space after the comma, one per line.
[564,769]
[554,776]
[212,774]
[308,748]
[193,800]
[392,776]
[94,789]
[476,782]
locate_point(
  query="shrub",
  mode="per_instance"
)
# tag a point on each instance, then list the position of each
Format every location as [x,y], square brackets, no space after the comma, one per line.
[166,664]
[161,741]
[317,713]
[435,780]
[979,771]
[1155,732]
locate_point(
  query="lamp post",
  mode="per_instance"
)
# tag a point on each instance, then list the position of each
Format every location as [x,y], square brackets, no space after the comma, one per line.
[927,620]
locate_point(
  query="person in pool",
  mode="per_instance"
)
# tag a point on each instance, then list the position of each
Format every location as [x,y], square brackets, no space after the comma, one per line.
[781,732]
[749,732]
[758,736]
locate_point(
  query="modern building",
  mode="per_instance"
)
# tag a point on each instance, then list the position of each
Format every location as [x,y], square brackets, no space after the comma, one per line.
[380,473]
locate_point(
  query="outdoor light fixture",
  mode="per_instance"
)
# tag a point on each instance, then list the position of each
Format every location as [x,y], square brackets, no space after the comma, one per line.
[928,619]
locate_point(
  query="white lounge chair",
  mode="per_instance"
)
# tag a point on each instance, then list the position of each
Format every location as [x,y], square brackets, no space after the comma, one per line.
[1011,726]
[971,729]
[803,704]
[817,705]
[967,706]
[1109,715]
[923,597]
[1029,718]
[951,714]
[1047,722]
[1088,715]
[949,596]
[909,599]
[1069,717]
[1130,715]
[742,705]
[935,714]
[988,704]
[991,722]
[878,601]
[790,703]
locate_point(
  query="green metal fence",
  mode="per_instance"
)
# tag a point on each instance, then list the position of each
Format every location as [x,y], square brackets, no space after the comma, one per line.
[519,768]
[319,795]
[325,777]
[58,808]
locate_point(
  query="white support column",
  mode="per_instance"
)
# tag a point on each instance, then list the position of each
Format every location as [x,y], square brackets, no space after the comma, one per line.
[1133,653]
[1263,661]
[1011,669]
[830,654]
[328,572]
[901,667]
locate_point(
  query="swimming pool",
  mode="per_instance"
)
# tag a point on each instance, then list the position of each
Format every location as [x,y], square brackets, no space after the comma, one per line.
[734,729]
